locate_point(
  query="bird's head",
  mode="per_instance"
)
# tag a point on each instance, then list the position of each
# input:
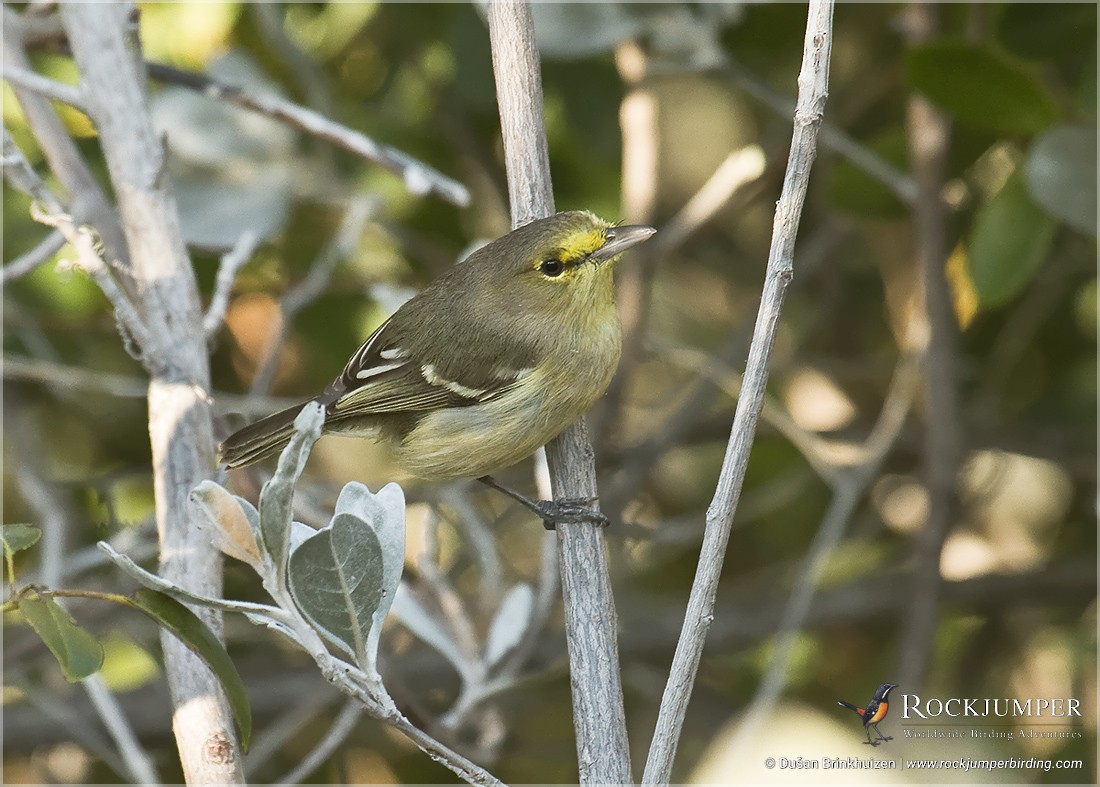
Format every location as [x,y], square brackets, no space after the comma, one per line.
[561,262]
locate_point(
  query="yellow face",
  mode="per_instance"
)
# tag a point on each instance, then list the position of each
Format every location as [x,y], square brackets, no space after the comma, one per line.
[572,255]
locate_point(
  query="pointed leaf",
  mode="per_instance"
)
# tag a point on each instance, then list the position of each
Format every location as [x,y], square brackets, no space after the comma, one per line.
[336,578]
[77,651]
[20,537]
[278,493]
[1060,172]
[189,629]
[218,514]
[1008,244]
[385,513]
[413,616]
[510,623]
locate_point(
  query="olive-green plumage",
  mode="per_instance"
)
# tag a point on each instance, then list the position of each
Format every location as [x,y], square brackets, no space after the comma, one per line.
[492,360]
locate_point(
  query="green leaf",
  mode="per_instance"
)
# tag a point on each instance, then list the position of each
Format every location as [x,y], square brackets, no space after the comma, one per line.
[1060,172]
[1009,241]
[189,629]
[278,493]
[336,578]
[77,651]
[20,537]
[981,88]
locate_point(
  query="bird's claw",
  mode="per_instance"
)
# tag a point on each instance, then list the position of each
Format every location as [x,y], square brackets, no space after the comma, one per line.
[555,511]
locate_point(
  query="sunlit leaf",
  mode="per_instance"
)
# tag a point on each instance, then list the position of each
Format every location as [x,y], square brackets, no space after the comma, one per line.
[221,517]
[77,651]
[1060,172]
[1009,241]
[981,88]
[19,537]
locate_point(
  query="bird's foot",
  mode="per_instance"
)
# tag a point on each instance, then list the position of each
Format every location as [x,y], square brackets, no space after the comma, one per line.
[554,511]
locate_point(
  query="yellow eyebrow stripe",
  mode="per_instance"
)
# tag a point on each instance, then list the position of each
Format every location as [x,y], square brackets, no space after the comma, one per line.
[580,244]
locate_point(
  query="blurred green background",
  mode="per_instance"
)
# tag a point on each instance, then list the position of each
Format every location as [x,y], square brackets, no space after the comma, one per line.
[643,103]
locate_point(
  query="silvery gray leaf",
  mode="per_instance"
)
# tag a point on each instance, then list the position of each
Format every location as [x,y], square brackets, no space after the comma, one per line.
[426,628]
[336,579]
[510,622]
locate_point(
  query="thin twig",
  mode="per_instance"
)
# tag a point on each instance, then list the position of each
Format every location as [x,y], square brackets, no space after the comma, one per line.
[903,186]
[342,246]
[603,749]
[41,253]
[71,95]
[49,210]
[929,138]
[304,69]
[342,726]
[123,386]
[419,178]
[139,765]
[848,488]
[812,91]
[87,200]
[230,263]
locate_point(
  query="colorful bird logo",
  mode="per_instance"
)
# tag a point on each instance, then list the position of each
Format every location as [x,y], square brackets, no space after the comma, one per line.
[874,712]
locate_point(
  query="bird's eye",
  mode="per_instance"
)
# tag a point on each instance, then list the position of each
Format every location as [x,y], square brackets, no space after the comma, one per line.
[552,268]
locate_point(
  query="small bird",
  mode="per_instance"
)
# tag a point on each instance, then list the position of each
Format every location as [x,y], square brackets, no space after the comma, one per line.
[874,712]
[493,359]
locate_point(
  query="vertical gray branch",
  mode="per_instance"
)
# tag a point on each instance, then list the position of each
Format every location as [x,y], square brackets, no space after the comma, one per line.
[590,622]
[813,81]
[929,134]
[180,427]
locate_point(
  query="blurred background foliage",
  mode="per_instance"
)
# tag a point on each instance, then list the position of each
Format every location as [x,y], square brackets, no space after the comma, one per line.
[667,91]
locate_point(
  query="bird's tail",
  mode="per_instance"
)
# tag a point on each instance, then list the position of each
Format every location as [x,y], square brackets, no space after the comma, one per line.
[849,706]
[260,440]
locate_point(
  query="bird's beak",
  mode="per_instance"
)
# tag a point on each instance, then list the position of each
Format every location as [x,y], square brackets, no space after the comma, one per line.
[619,239]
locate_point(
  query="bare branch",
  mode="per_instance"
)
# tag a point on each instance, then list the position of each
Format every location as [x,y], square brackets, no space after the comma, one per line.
[929,138]
[48,209]
[40,254]
[419,178]
[180,425]
[598,717]
[230,263]
[44,86]
[812,91]
[342,726]
[88,203]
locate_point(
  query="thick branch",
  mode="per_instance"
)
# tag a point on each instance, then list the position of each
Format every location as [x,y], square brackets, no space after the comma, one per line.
[180,426]
[812,90]
[590,621]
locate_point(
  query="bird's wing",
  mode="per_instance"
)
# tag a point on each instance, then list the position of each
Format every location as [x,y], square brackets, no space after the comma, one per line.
[383,377]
